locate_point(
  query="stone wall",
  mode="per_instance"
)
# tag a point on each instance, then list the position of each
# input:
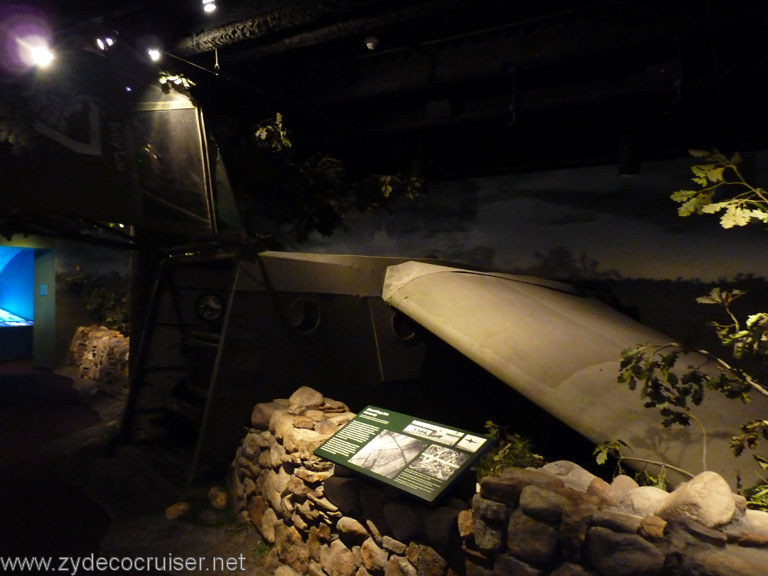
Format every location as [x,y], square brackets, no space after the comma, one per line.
[101,356]
[326,521]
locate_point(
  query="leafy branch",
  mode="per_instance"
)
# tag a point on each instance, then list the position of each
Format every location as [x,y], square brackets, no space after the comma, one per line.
[720,175]
[175,81]
[615,449]
[511,450]
[313,193]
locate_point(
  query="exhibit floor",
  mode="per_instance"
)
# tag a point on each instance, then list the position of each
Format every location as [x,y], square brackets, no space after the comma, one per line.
[68,493]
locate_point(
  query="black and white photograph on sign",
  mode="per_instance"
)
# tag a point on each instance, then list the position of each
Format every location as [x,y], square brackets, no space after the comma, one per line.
[439,462]
[388,453]
[435,433]
[470,443]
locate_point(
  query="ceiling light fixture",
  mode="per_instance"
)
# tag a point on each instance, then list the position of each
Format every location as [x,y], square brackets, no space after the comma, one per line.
[209,6]
[371,42]
[105,43]
[154,54]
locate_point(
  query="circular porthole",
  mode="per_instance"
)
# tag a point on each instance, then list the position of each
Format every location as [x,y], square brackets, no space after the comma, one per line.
[304,315]
[209,307]
[403,327]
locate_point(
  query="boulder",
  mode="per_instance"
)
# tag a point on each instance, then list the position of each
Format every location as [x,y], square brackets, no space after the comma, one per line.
[644,500]
[542,503]
[622,554]
[619,488]
[530,540]
[507,487]
[726,561]
[573,475]
[306,398]
[337,559]
[262,413]
[706,498]
[374,557]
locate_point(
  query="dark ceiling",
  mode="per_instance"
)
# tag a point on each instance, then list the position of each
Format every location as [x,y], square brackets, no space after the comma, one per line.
[461,87]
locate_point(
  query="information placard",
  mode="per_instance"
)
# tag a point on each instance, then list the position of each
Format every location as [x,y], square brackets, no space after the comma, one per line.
[417,456]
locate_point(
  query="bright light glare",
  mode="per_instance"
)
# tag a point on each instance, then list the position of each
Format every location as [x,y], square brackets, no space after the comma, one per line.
[35,52]
[154,54]
[100,44]
[208,8]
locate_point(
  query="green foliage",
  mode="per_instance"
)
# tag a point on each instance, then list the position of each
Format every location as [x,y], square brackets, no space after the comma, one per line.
[605,449]
[615,449]
[272,135]
[674,389]
[722,188]
[175,81]
[313,193]
[105,303]
[510,450]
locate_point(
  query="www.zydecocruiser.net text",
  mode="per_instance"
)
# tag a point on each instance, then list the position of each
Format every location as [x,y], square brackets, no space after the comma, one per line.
[92,563]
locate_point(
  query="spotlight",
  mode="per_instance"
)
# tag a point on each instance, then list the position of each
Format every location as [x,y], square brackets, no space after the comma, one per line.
[209,6]
[371,42]
[35,51]
[154,54]
[42,56]
[105,43]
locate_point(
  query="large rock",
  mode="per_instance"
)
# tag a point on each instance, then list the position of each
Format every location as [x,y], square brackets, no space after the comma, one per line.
[619,487]
[542,503]
[466,524]
[262,413]
[429,562]
[623,554]
[404,521]
[750,529]
[274,486]
[351,531]
[644,500]
[399,566]
[727,561]
[344,493]
[573,475]
[306,398]
[530,540]
[318,535]
[303,440]
[280,422]
[617,521]
[488,538]
[489,510]
[507,487]
[508,565]
[337,559]
[291,549]
[440,527]
[374,557]
[706,498]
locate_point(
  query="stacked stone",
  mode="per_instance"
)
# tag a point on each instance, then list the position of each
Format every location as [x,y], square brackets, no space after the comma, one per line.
[101,355]
[558,520]
[564,521]
[322,520]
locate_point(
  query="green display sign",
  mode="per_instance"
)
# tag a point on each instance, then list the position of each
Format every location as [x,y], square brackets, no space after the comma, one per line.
[417,456]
